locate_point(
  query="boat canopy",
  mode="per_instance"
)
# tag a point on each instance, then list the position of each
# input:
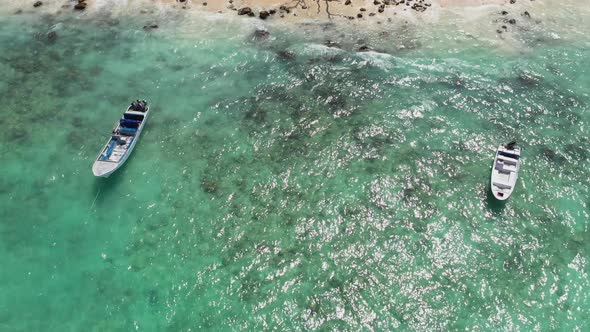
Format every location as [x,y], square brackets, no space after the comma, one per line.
[509,155]
[129,123]
[133,116]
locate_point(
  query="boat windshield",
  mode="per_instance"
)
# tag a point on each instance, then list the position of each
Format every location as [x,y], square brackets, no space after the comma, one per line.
[509,155]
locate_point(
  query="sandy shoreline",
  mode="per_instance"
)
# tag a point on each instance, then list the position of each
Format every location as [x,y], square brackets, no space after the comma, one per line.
[490,19]
[285,10]
[296,10]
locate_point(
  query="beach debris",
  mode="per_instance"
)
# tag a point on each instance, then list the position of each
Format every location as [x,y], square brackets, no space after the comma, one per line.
[37,4]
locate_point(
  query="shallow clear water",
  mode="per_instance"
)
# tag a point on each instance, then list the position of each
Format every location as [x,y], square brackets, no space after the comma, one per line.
[282,184]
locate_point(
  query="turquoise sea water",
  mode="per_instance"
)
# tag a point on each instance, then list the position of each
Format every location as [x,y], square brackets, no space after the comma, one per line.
[284,185]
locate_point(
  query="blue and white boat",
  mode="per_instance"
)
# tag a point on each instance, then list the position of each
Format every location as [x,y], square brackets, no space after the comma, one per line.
[123,139]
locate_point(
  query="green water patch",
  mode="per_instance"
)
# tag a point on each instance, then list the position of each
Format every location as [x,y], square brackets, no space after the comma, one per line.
[321,188]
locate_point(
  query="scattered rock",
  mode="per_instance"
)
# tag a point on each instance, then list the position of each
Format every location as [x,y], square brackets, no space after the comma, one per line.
[285,9]
[364,48]
[263,14]
[37,4]
[81,5]
[245,11]
[512,21]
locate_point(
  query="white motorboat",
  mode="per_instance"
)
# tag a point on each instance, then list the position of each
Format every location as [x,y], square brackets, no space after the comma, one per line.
[123,139]
[505,170]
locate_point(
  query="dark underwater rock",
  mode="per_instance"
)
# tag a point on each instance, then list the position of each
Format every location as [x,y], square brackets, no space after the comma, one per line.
[529,80]
[52,36]
[260,34]
[256,114]
[153,297]
[552,156]
[577,151]
[286,55]
[209,186]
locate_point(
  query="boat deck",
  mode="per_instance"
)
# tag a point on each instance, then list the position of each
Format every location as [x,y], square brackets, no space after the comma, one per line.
[117,148]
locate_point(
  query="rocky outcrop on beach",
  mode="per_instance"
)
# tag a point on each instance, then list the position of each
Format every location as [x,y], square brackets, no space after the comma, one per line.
[332,9]
[81,5]
[509,19]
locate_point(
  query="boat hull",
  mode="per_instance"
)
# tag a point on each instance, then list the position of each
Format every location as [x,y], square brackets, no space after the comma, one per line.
[505,172]
[104,169]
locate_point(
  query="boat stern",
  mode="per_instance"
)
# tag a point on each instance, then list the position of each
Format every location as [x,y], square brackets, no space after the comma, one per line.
[500,195]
